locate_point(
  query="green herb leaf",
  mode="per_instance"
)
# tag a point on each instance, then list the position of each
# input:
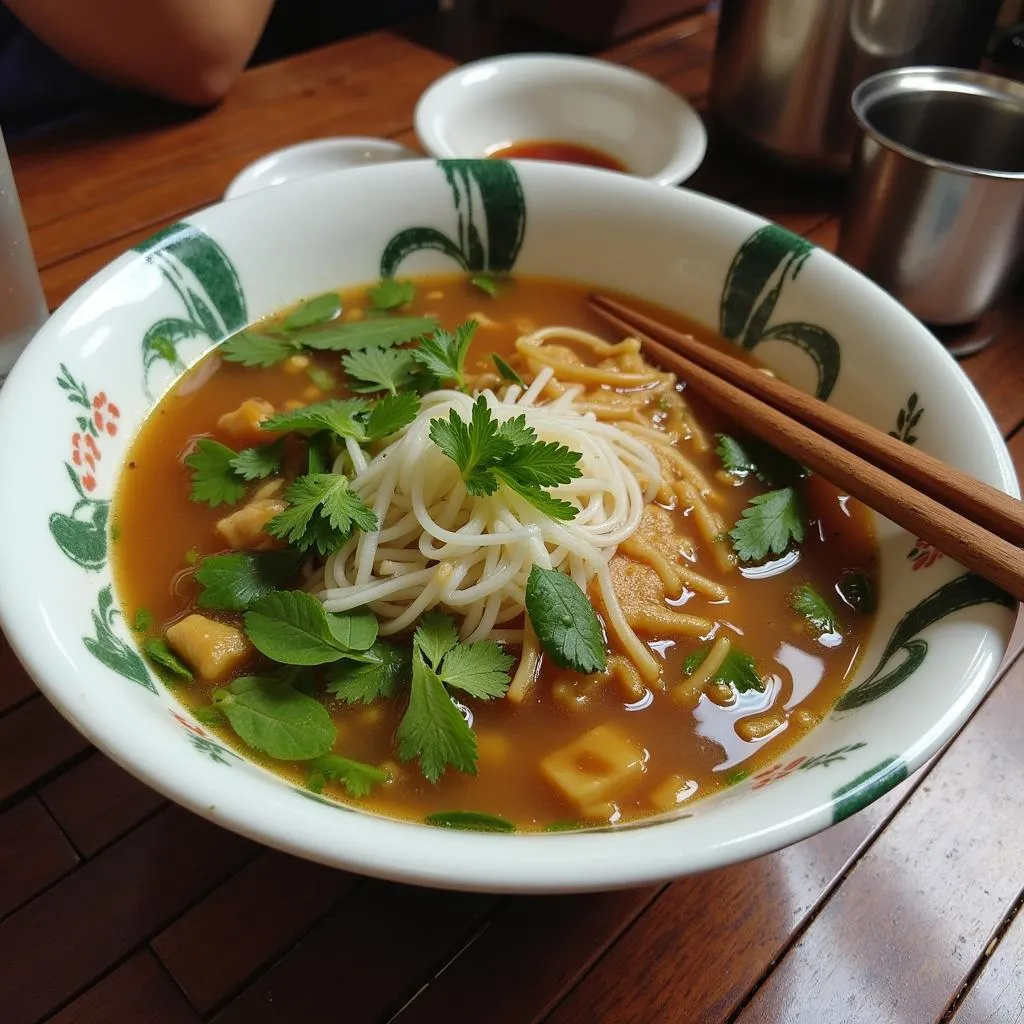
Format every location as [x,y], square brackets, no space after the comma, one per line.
[553,508]
[768,525]
[435,636]
[376,368]
[472,821]
[738,669]
[444,353]
[735,458]
[479,669]
[474,447]
[143,620]
[359,778]
[433,728]
[390,294]
[235,582]
[214,481]
[156,649]
[486,284]
[251,348]
[338,415]
[506,371]
[322,513]
[857,589]
[806,601]
[391,414]
[276,719]
[291,627]
[565,621]
[381,671]
[257,463]
[318,310]
[208,714]
[755,456]
[356,334]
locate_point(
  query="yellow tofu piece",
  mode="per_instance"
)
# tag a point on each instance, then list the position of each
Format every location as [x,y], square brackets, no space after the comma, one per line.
[671,792]
[243,529]
[243,423]
[595,767]
[213,649]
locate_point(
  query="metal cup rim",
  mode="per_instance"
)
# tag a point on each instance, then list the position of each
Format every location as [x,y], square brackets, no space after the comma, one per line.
[933,78]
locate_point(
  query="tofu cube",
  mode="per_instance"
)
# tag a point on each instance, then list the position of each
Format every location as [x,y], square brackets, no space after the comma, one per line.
[595,767]
[243,423]
[213,649]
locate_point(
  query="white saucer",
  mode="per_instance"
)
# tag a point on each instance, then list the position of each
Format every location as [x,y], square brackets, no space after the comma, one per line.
[316,157]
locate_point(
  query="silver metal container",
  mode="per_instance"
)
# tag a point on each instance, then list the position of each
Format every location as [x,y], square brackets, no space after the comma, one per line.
[935,211]
[784,69]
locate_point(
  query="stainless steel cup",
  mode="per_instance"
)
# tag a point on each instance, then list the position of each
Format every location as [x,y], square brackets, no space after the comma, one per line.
[22,306]
[935,211]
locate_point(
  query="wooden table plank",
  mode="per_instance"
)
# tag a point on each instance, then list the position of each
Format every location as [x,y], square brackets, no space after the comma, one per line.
[15,685]
[79,928]
[33,853]
[96,801]
[227,938]
[138,992]
[898,939]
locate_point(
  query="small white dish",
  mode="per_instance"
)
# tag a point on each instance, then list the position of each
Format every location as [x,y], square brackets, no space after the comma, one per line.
[483,106]
[319,156]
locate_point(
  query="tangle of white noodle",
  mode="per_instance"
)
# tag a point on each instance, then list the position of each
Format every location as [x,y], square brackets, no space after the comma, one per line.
[438,546]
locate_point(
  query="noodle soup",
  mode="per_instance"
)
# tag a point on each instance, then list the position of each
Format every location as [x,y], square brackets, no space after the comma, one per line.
[498,576]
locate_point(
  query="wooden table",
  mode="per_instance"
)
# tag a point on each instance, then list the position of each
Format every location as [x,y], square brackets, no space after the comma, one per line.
[118,907]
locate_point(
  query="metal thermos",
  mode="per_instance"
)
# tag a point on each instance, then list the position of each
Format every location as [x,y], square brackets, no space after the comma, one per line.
[784,69]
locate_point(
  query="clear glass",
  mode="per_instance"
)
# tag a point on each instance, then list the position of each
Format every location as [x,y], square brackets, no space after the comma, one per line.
[22,306]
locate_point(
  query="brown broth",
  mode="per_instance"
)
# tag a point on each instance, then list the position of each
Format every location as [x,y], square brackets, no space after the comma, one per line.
[159,533]
[559,152]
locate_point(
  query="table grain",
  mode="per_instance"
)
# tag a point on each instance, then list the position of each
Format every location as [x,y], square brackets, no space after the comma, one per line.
[116,906]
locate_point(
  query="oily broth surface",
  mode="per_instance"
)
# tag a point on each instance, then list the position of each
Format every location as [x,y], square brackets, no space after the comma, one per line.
[160,533]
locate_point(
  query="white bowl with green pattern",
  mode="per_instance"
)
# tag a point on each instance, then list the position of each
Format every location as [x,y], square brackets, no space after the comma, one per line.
[90,377]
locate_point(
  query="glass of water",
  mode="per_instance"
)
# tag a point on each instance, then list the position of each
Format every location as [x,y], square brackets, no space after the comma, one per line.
[22,306]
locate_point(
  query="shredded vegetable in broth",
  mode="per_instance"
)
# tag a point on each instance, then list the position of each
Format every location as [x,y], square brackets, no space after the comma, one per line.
[449,550]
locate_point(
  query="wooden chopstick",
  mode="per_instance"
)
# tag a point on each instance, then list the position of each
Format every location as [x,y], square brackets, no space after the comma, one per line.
[987,553]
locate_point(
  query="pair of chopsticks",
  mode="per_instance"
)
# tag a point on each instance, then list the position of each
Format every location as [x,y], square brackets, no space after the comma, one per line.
[977,525]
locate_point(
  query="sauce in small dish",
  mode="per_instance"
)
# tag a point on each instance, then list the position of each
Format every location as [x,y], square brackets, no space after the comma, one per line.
[560,152]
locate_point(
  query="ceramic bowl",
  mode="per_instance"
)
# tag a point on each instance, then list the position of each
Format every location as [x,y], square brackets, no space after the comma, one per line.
[482,106]
[107,355]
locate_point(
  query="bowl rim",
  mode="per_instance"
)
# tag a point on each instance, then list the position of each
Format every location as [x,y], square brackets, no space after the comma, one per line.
[682,165]
[380,850]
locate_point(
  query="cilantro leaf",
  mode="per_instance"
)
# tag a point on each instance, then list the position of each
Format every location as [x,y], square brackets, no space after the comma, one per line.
[322,513]
[735,458]
[257,463]
[517,431]
[768,525]
[318,310]
[339,415]
[540,463]
[380,671]
[806,601]
[236,581]
[737,669]
[479,669]
[213,479]
[754,456]
[471,821]
[143,619]
[378,368]
[292,627]
[251,348]
[474,447]
[356,334]
[390,294]
[486,284]
[444,353]
[274,718]
[391,414]
[506,371]
[565,621]
[433,728]
[435,636]
[553,508]
[156,649]
[359,778]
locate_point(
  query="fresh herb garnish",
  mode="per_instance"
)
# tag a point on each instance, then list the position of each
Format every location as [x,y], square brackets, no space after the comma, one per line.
[356,334]
[806,601]
[565,621]
[359,778]
[734,457]
[390,294]
[768,525]
[322,513]
[292,627]
[252,348]
[754,456]
[235,582]
[490,455]
[737,669]
[506,371]
[391,414]
[472,821]
[275,718]
[380,671]
[443,353]
[143,620]
[319,310]
[486,284]
[156,649]
[214,480]
[376,368]
[258,463]
[857,589]
[338,415]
